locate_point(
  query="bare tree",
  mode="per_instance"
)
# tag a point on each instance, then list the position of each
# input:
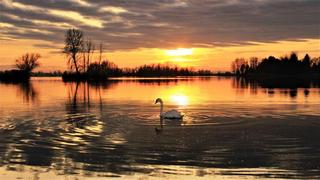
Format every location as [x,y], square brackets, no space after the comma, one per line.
[73,46]
[101,51]
[254,62]
[28,62]
[87,53]
[238,65]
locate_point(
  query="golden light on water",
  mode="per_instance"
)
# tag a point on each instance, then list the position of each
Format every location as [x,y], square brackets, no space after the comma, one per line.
[180,99]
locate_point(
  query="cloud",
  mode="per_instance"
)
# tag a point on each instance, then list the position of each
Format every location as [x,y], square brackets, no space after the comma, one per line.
[112,9]
[75,16]
[163,23]
[81,3]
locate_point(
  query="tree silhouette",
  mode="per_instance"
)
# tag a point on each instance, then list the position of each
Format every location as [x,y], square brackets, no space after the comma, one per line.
[293,57]
[28,62]
[306,62]
[239,66]
[254,62]
[81,57]
[315,64]
[73,46]
[88,50]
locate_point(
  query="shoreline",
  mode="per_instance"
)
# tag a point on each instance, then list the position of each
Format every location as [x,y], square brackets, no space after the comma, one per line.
[83,77]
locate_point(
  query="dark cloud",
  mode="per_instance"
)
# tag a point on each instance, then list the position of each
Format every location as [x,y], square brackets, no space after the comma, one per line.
[48,46]
[124,24]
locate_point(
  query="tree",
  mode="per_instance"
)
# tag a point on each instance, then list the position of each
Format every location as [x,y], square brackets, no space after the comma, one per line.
[306,59]
[100,52]
[293,57]
[28,62]
[88,50]
[73,46]
[239,66]
[254,63]
[306,62]
[316,64]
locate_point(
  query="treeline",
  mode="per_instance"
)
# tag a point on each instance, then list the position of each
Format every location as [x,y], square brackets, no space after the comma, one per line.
[81,53]
[107,69]
[166,70]
[154,70]
[283,66]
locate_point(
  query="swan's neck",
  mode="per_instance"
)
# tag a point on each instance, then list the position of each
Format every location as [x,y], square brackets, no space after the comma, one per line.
[161,108]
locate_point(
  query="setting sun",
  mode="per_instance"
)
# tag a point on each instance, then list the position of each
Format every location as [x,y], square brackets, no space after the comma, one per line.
[179,52]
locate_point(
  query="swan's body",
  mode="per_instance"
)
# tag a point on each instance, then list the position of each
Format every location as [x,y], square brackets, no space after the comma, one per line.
[172,114]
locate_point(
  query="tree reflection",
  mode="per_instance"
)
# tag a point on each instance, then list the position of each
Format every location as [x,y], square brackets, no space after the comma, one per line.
[81,93]
[285,86]
[26,91]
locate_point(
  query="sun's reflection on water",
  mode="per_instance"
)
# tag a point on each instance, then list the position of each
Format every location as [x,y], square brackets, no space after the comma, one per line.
[179,99]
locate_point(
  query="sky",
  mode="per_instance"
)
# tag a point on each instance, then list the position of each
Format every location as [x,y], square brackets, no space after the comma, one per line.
[198,33]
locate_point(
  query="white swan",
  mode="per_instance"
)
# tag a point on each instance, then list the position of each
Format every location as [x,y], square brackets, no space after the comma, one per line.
[172,114]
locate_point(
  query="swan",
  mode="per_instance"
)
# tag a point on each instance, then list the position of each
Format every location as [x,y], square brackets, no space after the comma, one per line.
[172,114]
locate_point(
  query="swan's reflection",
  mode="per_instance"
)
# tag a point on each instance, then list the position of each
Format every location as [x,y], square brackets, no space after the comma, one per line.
[168,123]
[159,130]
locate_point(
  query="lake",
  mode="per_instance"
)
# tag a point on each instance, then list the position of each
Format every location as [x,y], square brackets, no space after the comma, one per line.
[231,129]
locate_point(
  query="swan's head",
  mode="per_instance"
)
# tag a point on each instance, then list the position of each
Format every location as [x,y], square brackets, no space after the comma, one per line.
[158,100]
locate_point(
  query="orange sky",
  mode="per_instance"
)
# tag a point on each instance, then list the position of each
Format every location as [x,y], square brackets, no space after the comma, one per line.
[216,58]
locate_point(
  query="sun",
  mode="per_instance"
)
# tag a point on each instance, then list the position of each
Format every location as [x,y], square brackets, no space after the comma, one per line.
[179,52]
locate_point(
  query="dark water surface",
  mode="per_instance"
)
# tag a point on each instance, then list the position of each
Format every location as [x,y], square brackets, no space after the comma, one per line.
[55,130]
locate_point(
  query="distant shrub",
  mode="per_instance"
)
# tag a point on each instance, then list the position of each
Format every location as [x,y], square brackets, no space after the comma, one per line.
[28,62]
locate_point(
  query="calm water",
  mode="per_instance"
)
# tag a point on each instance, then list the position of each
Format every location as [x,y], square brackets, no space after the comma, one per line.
[231,129]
